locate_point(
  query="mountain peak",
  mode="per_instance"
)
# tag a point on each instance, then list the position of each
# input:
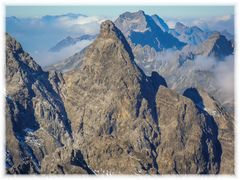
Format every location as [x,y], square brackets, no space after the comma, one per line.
[160,22]
[11,43]
[108,29]
[142,29]
[180,27]
[18,56]
[179,24]
[133,15]
[215,35]
[69,37]
[141,12]
[192,35]
[221,46]
[215,45]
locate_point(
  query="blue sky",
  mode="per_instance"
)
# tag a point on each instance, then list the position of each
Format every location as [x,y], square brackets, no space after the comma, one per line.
[113,11]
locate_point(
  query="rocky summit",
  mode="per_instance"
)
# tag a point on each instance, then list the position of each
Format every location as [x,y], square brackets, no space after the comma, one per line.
[108,117]
[216,45]
[140,28]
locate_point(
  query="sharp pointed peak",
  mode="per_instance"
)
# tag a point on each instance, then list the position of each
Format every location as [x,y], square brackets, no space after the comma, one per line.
[141,12]
[108,29]
[128,14]
[179,24]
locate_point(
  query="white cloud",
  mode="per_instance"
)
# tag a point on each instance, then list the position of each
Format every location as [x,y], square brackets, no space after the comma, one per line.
[220,72]
[68,22]
[46,58]
[215,23]
[224,73]
[85,25]
[204,63]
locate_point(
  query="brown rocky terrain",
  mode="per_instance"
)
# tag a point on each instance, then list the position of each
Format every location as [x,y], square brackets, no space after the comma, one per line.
[108,117]
[36,120]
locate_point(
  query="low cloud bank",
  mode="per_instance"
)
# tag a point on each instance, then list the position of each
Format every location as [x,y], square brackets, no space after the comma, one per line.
[224,74]
[46,58]
[219,73]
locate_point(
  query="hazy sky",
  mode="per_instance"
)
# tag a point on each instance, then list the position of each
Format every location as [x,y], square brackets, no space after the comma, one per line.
[112,11]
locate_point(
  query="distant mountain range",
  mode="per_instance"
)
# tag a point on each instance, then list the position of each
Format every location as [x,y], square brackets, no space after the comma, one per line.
[48,19]
[190,35]
[70,41]
[215,45]
[188,41]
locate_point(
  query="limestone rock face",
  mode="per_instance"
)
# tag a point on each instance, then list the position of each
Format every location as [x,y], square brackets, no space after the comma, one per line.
[108,117]
[111,105]
[65,160]
[224,125]
[189,143]
[36,120]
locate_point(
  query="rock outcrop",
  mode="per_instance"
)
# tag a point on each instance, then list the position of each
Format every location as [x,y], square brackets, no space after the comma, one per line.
[36,120]
[223,122]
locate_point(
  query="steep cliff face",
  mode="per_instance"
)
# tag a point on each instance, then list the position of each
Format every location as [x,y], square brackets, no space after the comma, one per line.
[189,141]
[107,117]
[36,120]
[222,123]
